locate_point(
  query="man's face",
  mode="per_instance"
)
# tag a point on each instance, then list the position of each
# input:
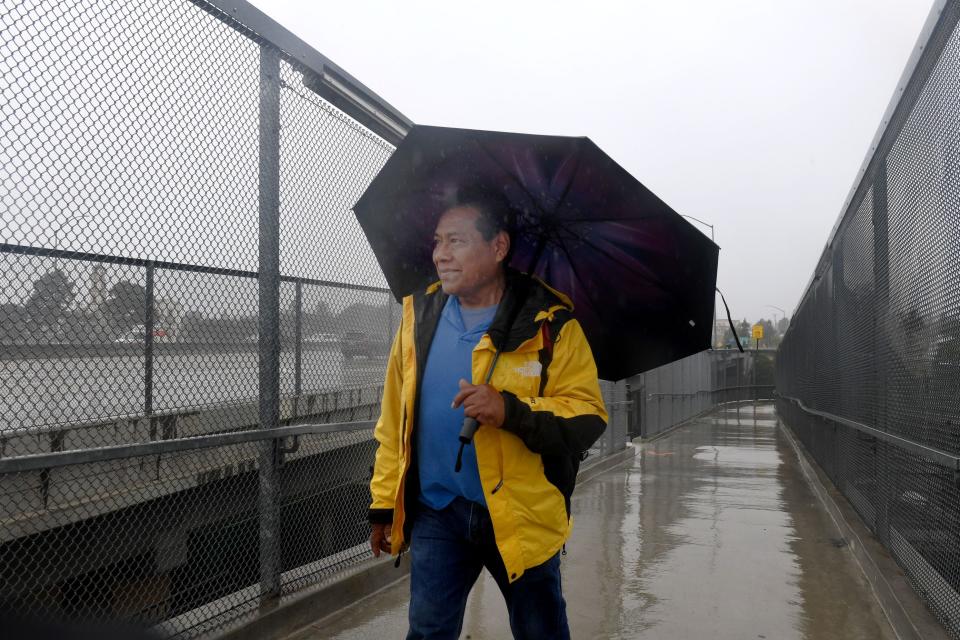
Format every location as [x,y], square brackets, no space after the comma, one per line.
[465,261]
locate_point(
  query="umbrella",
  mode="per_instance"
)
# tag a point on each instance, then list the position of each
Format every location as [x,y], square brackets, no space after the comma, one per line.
[641,278]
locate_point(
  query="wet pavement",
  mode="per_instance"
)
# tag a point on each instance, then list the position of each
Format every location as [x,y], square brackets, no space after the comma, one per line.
[710,532]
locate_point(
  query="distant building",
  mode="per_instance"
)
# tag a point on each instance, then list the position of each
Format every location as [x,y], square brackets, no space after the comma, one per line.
[98,287]
[720,329]
[169,314]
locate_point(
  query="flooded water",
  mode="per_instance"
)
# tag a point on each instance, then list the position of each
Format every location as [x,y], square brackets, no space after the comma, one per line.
[710,532]
[45,391]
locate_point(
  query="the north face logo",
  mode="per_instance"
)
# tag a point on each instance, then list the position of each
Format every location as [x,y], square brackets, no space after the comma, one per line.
[530,369]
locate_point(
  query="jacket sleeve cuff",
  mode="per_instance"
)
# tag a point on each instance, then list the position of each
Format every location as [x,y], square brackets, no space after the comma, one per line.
[513,411]
[380,516]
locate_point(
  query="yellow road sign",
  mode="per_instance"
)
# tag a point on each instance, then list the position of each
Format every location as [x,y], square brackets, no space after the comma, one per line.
[758,332]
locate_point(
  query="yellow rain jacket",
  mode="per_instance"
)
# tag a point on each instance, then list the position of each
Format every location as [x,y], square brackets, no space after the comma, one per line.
[528,467]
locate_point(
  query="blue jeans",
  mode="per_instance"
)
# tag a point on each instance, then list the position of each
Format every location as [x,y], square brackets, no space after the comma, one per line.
[449,548]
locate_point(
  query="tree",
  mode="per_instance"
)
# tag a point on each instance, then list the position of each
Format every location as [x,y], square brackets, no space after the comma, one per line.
[744,328]
[783,324]
[14,324]
[321,309]
[197,328]
[126,305]
[52,294]
[318,320]
[373,320]
[771,337]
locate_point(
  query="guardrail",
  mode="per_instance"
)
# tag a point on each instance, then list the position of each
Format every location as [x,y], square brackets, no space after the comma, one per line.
[680,391]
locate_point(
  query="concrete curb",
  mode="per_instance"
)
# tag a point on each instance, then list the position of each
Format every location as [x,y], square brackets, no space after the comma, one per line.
[906,613]
[306,607]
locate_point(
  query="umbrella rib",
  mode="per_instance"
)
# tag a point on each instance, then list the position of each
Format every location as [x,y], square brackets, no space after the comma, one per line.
[566,189]
[645,276]
[509,173]
[586,240]
[588,290]
[632,270]
[595,219]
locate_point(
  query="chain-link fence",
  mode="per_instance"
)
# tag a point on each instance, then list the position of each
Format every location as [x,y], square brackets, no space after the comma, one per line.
[193,329]
[670,395]
[869,370]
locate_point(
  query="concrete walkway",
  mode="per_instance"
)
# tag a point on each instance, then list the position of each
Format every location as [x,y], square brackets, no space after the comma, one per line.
[710,532]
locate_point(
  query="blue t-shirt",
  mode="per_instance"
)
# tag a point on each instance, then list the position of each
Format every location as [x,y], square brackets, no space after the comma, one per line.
[450,357]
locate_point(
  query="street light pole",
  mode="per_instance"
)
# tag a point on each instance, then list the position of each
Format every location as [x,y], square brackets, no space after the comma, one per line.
[713,329]
[775,315]
[775,321]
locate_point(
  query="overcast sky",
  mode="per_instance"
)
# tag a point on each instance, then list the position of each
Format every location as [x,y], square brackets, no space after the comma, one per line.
[753,115]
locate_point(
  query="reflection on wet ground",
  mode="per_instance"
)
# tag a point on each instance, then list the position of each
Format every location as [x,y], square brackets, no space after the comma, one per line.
[710,532]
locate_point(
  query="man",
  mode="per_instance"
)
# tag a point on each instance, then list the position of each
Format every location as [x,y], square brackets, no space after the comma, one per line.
[508,508]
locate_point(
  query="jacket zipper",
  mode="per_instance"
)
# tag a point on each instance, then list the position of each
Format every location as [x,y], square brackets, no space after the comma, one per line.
[499,447]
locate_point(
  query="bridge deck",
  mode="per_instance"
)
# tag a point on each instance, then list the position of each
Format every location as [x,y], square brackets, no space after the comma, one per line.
[710,532]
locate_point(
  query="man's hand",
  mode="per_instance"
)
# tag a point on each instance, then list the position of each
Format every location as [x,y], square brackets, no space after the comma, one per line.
[480,401]
[380,539]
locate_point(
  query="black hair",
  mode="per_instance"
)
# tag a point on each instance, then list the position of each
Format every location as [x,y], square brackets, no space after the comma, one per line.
[496,212]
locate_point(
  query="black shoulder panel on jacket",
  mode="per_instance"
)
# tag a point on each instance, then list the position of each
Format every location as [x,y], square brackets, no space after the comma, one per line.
[548,434]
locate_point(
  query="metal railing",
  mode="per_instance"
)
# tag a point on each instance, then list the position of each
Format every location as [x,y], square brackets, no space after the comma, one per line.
[869,370]
[680,391]
[614,438]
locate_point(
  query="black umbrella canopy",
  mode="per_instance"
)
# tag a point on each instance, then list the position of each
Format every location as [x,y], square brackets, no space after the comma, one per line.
[641,277]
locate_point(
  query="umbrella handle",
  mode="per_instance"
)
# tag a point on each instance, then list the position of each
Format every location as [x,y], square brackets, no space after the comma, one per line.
[470,426]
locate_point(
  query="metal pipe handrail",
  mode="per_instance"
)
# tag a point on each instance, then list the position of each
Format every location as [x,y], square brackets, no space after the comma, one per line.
[40,461]
[695,393]
[932,454]
[29,250]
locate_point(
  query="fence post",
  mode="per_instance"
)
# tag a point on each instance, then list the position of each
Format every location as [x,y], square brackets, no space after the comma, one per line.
[389,322]
[298,342]
[269,301]
[611,431]
[148,321]
[740,363]
[624,414]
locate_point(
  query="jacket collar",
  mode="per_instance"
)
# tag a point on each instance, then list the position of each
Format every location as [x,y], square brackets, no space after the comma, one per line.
[528,299]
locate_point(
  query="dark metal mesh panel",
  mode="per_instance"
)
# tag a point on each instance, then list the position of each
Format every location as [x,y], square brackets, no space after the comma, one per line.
[869,371]
[180,260]
[172,539]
